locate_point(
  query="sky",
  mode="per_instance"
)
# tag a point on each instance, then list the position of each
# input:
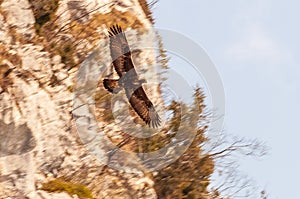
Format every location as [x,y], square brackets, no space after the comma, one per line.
[255,47]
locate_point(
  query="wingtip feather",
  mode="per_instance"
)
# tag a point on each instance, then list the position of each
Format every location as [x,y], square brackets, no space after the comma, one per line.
[115,30]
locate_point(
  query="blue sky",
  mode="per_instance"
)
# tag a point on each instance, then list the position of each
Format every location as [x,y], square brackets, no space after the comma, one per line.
[255,47]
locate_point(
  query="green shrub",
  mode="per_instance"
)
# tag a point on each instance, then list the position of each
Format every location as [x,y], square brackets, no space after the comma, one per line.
[43,11]
[59,185]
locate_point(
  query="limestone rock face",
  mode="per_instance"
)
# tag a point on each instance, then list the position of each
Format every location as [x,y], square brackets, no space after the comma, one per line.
[39,59]
[18,14]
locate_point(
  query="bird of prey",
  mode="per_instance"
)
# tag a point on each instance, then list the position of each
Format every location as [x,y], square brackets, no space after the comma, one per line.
[129,80]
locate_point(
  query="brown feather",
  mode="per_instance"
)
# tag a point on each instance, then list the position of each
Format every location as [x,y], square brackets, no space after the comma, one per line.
[118,48]
[143,107]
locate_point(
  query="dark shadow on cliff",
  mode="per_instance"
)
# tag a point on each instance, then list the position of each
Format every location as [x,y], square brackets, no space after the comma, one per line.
[15,140]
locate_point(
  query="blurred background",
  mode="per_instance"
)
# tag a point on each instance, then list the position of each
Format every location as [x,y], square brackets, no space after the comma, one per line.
[255,47]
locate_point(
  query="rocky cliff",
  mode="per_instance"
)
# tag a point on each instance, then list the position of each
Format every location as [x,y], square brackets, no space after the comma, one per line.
[42,46]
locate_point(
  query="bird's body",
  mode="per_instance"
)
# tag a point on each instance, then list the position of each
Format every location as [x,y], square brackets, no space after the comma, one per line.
[129,80]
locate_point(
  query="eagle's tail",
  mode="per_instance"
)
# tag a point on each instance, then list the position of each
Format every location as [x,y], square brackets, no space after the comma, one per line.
[154,118]
[112,85]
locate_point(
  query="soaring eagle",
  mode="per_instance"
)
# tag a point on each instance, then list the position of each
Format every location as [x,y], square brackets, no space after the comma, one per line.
[129,80]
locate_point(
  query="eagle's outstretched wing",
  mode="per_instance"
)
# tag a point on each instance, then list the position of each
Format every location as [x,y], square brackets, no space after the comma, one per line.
[120,51]
[143,107]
